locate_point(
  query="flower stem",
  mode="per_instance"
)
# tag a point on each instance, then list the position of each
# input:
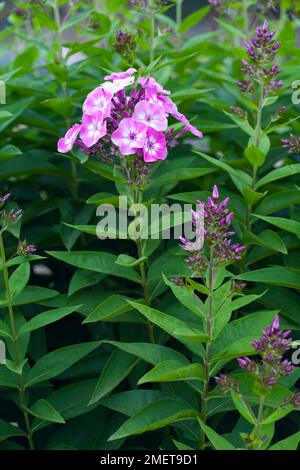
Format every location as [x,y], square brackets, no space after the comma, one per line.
[246,19]
[259,417]
[143,273]
[207,358]
[178,17]
[22,391]
[152,37]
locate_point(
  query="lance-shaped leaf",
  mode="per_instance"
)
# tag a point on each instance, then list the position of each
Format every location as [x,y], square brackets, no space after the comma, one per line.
[155,416]
[56,362]
[169,371]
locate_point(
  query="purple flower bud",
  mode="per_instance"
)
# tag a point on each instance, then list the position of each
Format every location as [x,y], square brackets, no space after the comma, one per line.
[215,192]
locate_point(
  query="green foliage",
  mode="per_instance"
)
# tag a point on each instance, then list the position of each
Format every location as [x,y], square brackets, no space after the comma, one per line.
[101,344]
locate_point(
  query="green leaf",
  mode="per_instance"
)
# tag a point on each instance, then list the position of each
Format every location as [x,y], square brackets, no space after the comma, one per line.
[277,201]
[103,198]
[9,151]
[285,224]
[263,145]
[110,308]
[152,353]
[278,414]
[130,261]
[175,327]
[97,261]
[255,156]
[83,278]
[7,430]
[276,275]
[155,416]
[103,170]
[116,369]
[19,279]
[219,442]
[290,443]
[267,239]
[242,407]
[173,176]
[56,362]
[186,297]
[46,318]
[4,330]
[193,19]
[243,123]
[169,371]
[279,173]
[240,178]
[43,410]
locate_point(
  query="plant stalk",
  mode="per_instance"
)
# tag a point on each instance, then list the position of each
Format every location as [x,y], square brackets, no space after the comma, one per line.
[207,358]
[22,391]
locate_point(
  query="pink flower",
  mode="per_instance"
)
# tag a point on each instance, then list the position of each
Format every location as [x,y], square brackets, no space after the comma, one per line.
[117,84]
[187,125]
[92,129]
[155,147]
[151,114]
[65,144]
[120,75]
[129,136]
[98,100]
[150,82]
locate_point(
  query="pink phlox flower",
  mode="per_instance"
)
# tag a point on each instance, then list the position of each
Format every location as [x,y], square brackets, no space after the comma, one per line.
[187,125]
[155,147]
[120,75]
[165,102]
[150,82]
[117,84]
[129,136]
[65,144]
[152,115]
[99,100]
[92,128]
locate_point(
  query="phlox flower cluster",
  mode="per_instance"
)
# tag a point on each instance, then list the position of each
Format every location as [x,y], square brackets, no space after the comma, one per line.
[261,50]
[271,347]
[217,221]
[137,124]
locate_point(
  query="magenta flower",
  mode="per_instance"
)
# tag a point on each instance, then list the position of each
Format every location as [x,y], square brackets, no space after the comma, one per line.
[150,82]
[65,144]
[150,114]
[115,123]
[99,100]
[129,136]
[155,147]
[120,75]
[92,129]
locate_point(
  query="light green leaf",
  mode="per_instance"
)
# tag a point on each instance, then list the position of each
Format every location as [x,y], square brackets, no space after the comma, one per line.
[169,371]
[242,407]
[19,279]
[290,443]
